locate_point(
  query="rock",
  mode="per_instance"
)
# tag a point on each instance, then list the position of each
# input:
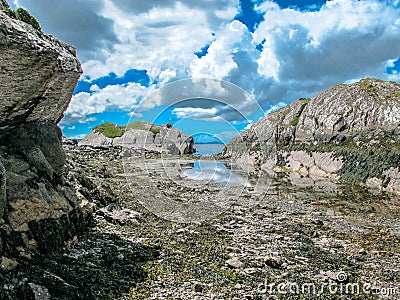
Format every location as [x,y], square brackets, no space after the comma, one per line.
[273,262]
[168,140]
[33,291]
[329,136]
[234,262]
[38,75]
[39,210]
[198,287]
[3,4]
[7,264]
[119,216]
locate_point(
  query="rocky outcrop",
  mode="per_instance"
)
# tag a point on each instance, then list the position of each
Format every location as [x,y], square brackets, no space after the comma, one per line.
[164,139]
[348,132]
[37,76]
[3,4]
[39,210]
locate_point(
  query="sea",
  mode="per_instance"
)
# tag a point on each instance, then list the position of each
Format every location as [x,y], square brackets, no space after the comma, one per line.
[208,149]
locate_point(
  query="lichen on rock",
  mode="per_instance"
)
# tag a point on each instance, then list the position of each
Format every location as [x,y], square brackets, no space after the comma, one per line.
[353,126]
[39,210]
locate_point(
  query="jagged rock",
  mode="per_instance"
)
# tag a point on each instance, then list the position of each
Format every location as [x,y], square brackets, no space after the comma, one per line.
[7,264]
[3,4]
[348,132]
[234,262]
[168,140]
[29,290]
[39,210]
[37,76]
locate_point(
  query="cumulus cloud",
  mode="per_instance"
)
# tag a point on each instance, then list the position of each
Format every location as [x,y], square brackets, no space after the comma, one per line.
[344,39]
[291,54]
[197,113]
[76,22]
[112,97]
[159,36]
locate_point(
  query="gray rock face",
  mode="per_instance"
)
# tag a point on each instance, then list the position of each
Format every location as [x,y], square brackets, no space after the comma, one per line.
[330,134]
[38,73]
[168,140]
[3,4]
[37,76]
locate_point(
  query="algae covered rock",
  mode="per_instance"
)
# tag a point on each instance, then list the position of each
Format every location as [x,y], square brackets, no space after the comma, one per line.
[141,135]
[39,209]
[348,132]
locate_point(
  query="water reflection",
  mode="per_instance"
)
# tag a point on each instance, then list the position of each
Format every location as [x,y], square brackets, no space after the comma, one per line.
[215,171]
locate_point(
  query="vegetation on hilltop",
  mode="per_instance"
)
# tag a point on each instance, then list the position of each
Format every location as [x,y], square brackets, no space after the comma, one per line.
[24,16]
[111,130]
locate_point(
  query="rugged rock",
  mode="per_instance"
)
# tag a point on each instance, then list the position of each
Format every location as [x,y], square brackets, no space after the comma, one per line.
[166,140]
[39,210]
[348,132]
[37,76]
[3,4]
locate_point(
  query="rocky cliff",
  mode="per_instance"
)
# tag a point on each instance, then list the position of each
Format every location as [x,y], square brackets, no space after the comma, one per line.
[141,135]
[38,209]
[349,133]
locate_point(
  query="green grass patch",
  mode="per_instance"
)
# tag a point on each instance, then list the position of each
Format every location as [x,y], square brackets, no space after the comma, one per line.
[112,130]
[24,16]
[154,129]
[137,125]
[368,87]
[294,122]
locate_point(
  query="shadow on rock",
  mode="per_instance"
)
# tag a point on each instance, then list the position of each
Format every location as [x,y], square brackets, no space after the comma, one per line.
[99,266]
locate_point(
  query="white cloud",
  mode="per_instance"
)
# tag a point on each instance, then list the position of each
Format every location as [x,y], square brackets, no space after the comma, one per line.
[122,97]
[135,115]
[165,37]
[275,107]
[197,113]
[219,61]
[303,53]
[346,38]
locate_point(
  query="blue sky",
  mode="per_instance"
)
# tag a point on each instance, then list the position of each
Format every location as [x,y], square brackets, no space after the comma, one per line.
[274,51]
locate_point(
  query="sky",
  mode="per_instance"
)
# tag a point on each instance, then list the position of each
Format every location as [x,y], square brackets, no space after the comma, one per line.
[214,67]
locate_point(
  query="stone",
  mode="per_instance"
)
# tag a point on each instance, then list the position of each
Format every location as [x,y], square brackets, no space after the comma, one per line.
[169,140]
[38,75]
[3,4]
[38,209]
[321,137]
[273,262]
[28,290]
[7,264]
[234,262]
[198,287]
[119,216]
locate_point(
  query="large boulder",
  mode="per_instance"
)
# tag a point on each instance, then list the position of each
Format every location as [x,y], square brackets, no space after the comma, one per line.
[39,211]
[37,76]
[348,132]
[166,139]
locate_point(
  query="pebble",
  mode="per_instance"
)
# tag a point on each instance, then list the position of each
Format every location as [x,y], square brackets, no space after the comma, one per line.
[234,262]
[273,262]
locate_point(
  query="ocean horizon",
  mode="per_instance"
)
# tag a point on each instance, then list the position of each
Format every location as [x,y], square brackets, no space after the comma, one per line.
[208,149]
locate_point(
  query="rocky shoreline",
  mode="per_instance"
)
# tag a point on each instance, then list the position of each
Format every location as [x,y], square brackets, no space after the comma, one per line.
[102,221]
[280,234]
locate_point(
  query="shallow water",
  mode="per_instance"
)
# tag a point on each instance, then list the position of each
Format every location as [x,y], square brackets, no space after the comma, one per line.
[214,171]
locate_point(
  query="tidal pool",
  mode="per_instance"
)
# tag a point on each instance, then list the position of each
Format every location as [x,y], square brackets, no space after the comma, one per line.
[215,171]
